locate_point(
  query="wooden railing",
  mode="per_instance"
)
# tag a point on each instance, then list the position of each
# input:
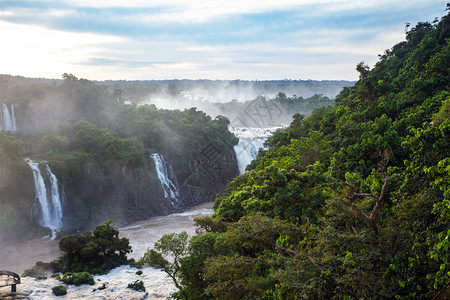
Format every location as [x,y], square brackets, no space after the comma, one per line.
[9,278]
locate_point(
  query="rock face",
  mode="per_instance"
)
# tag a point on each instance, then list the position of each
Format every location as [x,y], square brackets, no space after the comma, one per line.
[98,193]
[90,191]
[209,175]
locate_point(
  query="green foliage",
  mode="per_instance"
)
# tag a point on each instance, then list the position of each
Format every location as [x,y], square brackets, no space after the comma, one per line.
[138,285]
[78,278]
[207,224]
[275,191]
[441,250]
[154,259]
[16,190]
[59,290]
[94,252]
[173,245]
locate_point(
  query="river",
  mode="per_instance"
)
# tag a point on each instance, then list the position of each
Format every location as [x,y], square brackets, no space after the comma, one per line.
[142,235]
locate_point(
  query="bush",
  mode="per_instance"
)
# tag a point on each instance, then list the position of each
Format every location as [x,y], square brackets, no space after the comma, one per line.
[139,272]
[138,285]
[78,278]
[59,290]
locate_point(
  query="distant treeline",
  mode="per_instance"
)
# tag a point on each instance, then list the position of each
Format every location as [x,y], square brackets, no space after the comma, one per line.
[210,90]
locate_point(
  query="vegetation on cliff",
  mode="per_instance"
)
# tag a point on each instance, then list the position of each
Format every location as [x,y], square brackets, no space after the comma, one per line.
[351,202]
[14,172]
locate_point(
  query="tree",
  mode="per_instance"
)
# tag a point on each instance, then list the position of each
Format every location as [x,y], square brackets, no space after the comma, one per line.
[363,69]
[69,77]
[174,245]
[95,252]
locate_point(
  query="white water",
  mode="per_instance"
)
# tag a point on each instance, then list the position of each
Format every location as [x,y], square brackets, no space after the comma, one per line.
[13,119]
[7,120]
[250,141]
[50,202]
[142,235]
[167,177]
[157,284]
[56,199]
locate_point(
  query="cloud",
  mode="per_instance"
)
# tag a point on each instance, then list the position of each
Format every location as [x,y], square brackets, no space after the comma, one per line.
[103,61]
[317,39]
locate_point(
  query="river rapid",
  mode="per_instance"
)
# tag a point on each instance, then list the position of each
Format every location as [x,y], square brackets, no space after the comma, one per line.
[142,235]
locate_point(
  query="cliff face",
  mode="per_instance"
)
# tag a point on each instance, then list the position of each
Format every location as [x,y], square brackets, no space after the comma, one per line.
[97,193]
[209,175]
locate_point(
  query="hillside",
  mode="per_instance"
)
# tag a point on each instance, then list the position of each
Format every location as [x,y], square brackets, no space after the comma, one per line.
[350,202]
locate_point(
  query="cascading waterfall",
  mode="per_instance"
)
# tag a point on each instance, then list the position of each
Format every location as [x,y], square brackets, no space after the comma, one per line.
[56,199]
[7,120]
[246,151]
[250,141]
[168,181]
[49,200]
[13,119]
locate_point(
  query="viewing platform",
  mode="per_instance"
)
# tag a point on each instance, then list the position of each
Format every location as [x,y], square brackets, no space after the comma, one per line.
[9,278]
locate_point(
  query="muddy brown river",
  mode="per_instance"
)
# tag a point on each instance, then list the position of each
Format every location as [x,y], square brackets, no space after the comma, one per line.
[21,256]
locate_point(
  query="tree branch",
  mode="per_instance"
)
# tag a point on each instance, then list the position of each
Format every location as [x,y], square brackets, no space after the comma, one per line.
[363,195]
[380,201]
[285,249]
[360,213]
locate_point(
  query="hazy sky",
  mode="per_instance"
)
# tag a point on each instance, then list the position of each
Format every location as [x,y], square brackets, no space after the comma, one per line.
[198,39]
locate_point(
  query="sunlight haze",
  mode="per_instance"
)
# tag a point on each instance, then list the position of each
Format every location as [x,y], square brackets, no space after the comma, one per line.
[249,40]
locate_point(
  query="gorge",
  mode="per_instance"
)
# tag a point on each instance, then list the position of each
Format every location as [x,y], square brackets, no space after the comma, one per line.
[94,157]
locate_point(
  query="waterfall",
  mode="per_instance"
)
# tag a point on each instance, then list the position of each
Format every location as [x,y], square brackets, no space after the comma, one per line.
[168,181]
[250,141]
[48,198]
[246,151]
[13,119]
[7,120]
[56,199]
